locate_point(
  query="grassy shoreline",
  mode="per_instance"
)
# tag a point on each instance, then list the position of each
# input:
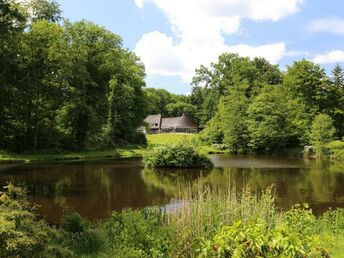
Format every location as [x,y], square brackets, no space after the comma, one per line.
[72,156]
[335,150]
[125,152]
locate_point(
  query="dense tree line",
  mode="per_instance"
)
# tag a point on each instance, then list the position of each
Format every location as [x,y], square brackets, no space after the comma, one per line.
[64,85]
[252,106]
[160,101]
[73,86]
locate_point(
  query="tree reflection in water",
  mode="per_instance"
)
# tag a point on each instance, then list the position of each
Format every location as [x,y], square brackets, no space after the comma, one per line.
[95,189]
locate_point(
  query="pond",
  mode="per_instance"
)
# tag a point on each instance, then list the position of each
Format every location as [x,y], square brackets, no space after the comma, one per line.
[94,189]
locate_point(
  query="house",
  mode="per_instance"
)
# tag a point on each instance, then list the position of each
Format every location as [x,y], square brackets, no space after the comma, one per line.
[181,124]
[154,123]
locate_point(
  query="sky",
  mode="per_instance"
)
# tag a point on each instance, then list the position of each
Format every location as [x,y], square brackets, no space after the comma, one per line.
[174,37]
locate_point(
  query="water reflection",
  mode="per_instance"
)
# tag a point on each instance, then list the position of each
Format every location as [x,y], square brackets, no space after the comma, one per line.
[94,189]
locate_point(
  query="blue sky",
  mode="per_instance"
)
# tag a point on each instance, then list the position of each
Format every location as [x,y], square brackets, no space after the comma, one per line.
[173,37]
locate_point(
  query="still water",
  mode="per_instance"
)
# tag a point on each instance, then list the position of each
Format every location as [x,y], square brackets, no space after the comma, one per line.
[94,189]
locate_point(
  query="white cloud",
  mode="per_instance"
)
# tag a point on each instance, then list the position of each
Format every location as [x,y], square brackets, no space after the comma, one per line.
[199,27]
[332,25]
[272,52]
[334,56]
[139,3]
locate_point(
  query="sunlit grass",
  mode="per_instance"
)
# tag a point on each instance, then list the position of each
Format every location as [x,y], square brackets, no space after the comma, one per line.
[70,156]
[168,138]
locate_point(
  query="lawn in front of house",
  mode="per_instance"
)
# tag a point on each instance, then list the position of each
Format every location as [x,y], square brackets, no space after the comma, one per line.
[169,138]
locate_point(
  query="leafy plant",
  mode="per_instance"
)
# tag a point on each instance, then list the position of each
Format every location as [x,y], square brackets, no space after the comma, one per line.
[21,233]
[138,234]
[257,239]
[176,156]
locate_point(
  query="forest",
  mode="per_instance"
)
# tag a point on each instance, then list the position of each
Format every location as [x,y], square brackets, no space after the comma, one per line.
[68,86]
[253,106]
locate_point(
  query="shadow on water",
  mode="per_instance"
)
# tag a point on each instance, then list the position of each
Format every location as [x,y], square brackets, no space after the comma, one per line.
[95,189]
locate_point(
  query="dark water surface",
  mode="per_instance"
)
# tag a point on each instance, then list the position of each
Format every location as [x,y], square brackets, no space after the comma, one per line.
[95,189]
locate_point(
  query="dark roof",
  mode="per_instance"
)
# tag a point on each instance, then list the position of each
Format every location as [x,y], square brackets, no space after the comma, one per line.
[177,122]
[154,121]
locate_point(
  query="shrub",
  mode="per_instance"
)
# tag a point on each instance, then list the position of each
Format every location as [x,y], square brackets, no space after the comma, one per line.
[256,239]
[176,156]
[21,233]
[336,149]
[81,236]
[138,234]
[322,132]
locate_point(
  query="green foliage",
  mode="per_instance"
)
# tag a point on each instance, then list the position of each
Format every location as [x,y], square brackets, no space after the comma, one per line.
[138,234]
[336,96]
[232,111]
[322,132]
[45,10]
[276,121]
[175,156]
[253,108]
[333,221]
[335,149]
[81,236]
[21,233]
[65,82]
[210,84]
[208,223]
[257,239]
[213,133]
[179,108]
[157,101]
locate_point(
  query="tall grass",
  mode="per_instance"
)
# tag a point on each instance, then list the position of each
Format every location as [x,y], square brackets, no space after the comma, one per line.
[201,210]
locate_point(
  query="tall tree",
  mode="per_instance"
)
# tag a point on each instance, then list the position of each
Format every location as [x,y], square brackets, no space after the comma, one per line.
[13,18]
[322,132]
[276,121]
[230,70]
[337,99]
[158,99]
[232,114]
[55,82]
[308,82]
[48,10]
[40,86]
[126,102]
[179,108]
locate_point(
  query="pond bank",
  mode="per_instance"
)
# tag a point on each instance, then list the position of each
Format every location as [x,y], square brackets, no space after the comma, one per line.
[87,155]
[123,152]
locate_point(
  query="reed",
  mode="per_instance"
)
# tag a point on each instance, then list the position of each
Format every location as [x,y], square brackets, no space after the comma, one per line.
[201,210]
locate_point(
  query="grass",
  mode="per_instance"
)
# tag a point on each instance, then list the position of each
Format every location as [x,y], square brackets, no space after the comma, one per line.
[169,138]
[87,155]
[127,152]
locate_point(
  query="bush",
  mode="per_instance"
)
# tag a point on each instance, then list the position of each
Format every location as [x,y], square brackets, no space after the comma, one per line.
[336,149]
[176,156]
[322,132]
[81,236]
[21,233]
[257,239]
[138,234]
[140,138]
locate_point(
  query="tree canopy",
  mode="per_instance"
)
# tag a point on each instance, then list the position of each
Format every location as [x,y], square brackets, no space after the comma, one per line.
[72,85]
[65,85]
[251,106]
